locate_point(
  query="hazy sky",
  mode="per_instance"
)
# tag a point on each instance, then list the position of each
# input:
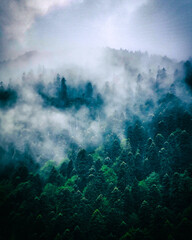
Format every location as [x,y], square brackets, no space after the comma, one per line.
[157,26]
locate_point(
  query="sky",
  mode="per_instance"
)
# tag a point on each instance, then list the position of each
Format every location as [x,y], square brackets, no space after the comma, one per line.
[51,26]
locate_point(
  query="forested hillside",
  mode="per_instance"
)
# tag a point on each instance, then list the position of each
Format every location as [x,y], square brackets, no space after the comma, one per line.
[100,156]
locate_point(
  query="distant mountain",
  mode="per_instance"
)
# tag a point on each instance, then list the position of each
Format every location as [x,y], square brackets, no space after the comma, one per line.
[21,59]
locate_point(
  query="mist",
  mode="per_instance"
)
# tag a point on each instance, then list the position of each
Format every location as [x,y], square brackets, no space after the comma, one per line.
[83,42]
[50,111]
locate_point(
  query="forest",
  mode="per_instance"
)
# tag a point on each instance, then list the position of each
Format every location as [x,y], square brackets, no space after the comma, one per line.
[83,156]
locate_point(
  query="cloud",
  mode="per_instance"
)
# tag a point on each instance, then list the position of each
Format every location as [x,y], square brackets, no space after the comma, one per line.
[159,27]
[17,16]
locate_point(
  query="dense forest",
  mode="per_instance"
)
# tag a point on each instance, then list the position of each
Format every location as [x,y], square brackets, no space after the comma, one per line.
[116,165]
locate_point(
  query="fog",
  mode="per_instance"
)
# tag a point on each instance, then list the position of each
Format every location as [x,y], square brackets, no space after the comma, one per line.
[50,122]
[105,88]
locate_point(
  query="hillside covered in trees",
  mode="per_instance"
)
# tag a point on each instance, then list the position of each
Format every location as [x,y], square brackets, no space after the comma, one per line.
[99,155]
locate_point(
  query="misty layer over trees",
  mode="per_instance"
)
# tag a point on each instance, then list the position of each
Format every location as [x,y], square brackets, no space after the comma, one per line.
[98,153]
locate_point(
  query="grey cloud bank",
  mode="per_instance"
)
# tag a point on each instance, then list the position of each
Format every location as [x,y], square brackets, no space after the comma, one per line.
[125,86]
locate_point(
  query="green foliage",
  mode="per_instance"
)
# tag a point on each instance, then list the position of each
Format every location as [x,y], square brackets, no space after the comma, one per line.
[98,154]
[136,185]
[69,184]
[126,236]
[109,174]
[46,168]
[5,189]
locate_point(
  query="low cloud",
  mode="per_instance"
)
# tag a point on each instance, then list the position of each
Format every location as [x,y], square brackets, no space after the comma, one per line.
[125,86]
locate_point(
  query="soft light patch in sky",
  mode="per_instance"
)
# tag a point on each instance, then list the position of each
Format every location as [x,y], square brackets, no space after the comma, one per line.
[21,14]
[17,16]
